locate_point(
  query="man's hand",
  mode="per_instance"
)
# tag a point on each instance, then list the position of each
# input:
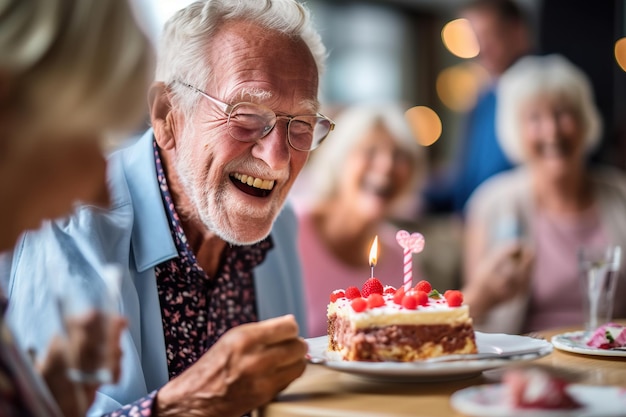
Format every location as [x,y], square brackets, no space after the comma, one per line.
[245,369]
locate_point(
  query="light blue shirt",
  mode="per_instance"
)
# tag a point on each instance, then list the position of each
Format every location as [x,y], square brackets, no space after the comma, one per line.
[133,233]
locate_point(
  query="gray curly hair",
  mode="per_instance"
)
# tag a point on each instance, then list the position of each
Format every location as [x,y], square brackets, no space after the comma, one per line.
[535,75]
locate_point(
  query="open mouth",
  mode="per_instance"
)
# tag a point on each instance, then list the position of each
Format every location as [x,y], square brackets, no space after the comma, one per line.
[379,190]
[253,186]
[554,150]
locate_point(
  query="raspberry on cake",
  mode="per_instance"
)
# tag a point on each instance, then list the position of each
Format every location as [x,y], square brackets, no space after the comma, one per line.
[384,324]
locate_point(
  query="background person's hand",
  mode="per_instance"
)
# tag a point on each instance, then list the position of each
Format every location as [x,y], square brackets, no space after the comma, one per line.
[73,398]
[502,275]
[245,369]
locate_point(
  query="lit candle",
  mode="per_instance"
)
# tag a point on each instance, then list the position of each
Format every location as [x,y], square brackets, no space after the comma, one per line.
[373,255]
[411,243]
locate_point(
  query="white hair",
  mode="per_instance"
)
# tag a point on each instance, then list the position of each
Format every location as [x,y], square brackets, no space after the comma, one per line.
[74,64]
[533,76]
[326,164]
[187,38]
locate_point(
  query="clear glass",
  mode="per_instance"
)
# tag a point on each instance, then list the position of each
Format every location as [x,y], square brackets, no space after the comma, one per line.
[249,122]
[599,274]
[86,311]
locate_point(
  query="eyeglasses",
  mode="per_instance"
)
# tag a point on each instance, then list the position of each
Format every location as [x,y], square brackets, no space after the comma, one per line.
[250,122]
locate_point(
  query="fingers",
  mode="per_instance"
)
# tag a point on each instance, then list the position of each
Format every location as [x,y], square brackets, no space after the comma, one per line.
[89,340]
[245,369]
[262,347]
[275,356]
[282,377]
[117,326]
[72,399]
[271,331]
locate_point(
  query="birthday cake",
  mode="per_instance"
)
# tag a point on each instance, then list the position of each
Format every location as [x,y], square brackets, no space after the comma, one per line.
[379,323]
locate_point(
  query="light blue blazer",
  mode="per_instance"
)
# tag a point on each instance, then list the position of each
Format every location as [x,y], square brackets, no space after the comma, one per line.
[134,232]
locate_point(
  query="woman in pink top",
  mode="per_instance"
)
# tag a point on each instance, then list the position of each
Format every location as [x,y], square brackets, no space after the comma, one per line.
[356,181]
[525,227]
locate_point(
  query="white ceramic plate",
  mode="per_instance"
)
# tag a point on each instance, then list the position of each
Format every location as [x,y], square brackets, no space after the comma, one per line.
[416,371]
[490,401]
[575,342]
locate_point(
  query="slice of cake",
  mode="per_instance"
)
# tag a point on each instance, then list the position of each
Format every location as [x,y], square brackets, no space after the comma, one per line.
[608,336]
[536,388]
[384,324]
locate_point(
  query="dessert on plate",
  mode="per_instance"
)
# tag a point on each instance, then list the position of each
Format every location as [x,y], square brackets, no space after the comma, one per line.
[536,388]
[379,323]
[608,336]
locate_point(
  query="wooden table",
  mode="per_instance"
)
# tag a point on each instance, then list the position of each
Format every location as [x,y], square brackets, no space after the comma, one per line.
[325,392]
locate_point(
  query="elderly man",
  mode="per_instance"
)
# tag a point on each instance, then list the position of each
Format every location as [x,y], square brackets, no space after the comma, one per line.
[234,113]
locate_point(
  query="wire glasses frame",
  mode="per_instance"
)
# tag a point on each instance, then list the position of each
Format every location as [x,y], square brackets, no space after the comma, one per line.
[250,122]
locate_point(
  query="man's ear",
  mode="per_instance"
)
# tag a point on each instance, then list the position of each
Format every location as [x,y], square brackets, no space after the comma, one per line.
[161,115]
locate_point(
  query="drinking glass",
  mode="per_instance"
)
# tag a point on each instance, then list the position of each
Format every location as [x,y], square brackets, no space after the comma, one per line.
[599,273]
[86,309]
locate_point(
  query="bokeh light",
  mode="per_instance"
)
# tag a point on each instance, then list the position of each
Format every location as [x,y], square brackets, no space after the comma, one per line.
[458,86]
[425,124]
[620,53]
[458,36]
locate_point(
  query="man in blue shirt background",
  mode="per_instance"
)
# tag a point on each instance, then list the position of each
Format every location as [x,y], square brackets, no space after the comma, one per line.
[503,34]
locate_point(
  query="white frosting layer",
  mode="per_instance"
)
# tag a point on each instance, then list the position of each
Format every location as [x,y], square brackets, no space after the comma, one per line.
[436,312]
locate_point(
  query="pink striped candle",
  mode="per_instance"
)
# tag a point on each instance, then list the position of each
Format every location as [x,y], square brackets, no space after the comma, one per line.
[408,269]
[411,243]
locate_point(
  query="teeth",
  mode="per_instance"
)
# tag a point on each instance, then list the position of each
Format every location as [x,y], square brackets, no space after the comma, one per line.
[254,182]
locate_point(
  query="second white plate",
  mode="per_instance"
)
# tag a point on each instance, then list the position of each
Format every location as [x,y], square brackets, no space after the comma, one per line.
[490,401]
[416,371]
[575,342]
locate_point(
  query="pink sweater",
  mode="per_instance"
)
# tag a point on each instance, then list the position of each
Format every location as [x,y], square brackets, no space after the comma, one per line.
[556,295]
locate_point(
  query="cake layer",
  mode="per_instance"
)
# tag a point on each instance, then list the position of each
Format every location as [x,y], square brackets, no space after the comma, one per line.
[399,342]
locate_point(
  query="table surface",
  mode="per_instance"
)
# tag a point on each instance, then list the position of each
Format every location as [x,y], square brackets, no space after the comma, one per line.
[325,392]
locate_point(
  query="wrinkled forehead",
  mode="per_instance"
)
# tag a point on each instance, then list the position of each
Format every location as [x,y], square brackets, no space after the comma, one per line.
[249,59]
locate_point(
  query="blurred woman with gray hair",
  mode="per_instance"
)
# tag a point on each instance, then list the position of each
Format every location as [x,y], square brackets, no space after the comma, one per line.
[357,180]
[525,227]
[71,71]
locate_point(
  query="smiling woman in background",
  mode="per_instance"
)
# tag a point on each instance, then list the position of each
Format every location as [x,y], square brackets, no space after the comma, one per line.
[70,71]
[525,227]
[356,181]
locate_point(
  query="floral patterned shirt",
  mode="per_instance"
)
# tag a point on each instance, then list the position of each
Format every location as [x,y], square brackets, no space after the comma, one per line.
[198,309]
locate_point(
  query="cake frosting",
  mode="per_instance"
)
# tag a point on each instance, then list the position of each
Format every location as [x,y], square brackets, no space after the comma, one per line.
[388,324]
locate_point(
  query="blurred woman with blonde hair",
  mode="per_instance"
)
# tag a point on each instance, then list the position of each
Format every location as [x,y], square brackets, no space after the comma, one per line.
[525,227]
[72,72]
[358,181]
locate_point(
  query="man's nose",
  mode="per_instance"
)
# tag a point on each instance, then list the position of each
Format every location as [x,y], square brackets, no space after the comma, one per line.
[274,148]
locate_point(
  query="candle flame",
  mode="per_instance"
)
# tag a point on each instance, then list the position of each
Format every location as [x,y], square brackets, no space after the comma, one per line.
[374,252]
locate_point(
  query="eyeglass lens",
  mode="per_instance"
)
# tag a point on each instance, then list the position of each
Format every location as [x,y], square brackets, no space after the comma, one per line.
[250,122]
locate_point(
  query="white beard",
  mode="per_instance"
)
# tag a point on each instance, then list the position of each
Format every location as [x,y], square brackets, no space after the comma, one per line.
[210,204]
